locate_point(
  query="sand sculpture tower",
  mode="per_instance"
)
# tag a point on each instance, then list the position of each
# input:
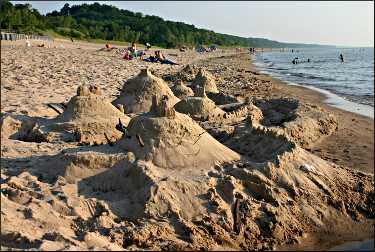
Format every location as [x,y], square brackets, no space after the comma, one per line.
[173,140]
[136,95]
[206,80]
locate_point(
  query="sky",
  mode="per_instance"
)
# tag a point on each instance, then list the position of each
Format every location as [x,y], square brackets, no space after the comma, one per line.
[332,23]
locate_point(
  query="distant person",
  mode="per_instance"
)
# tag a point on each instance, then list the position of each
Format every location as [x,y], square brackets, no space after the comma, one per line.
[127,55]
[133,48]
[151,59]
[108,47]
[71,39]
[341,57]
[308,60]
[148,46]
[162,59]
[28,44]
[136,53]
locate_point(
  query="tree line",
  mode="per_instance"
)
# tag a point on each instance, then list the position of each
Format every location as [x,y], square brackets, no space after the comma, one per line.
[96,21]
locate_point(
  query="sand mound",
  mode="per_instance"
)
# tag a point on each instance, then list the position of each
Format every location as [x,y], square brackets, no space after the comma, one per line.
[136,95]
[259,144]
[187,74]
[10,126]
[86,119]
[224,128]
[303,123]
[173,140]
[199,107]
[181,90]
[206,80]
[222,99]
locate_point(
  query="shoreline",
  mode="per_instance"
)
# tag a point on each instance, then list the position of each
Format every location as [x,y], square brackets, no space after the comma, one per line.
[353,128]
[339,102]
[331,98]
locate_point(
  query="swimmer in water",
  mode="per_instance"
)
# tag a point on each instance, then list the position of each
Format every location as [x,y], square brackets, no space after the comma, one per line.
[341,57]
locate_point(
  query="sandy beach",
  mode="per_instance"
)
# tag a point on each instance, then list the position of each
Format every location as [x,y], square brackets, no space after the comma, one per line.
[274,167]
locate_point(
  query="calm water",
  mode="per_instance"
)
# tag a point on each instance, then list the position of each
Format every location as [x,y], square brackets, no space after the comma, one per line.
[352,81]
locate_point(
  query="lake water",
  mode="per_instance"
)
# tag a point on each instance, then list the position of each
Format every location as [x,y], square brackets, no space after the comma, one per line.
[348,85]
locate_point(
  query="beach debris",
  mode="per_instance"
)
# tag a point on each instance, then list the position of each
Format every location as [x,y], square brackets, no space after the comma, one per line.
[120,127]
[108,140]
[140,141]
[237,216]
[55,109]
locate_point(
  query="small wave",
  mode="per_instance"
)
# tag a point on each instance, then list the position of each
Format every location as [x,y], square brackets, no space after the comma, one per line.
[308,76]
[279,68]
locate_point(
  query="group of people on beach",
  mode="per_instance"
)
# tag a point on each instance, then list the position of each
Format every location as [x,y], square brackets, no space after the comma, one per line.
[158,57]
[132,52]
[252,50]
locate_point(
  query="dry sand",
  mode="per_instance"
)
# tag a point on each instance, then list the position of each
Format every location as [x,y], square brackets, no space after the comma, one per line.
[275,169]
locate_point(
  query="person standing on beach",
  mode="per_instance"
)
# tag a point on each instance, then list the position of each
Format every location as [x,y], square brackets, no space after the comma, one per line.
[341,57]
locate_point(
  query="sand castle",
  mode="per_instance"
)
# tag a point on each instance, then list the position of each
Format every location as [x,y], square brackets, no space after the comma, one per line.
[181,90]
[173,140]
[206,80]
[199,107]
[168,173]
[88,118]
[136,95]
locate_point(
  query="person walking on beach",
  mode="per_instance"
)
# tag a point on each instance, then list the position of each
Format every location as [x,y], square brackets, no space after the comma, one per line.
[341,57]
